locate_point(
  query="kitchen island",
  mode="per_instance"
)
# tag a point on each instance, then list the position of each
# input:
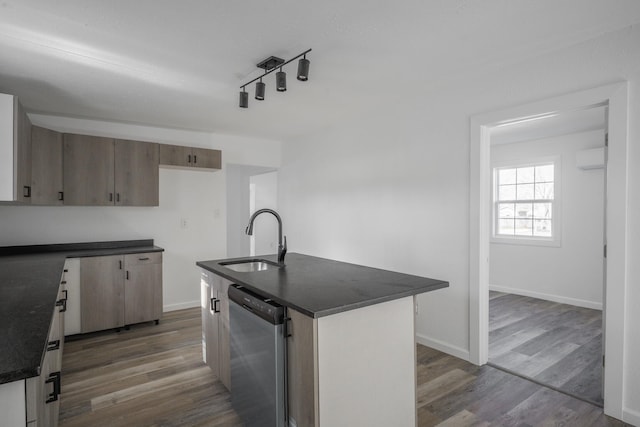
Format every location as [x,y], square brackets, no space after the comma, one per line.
[351,349]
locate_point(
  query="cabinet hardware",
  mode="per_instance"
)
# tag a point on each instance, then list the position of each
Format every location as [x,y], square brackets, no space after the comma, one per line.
[55,379]
[120,264]
[189,158]
[127,274]
[62,303]
[64,282]
[144,259]
[214,305]
[61,195]
[111,197]
[195,159]
[66,294]
[65,270]
[53,345]
[118,197]
[26,191]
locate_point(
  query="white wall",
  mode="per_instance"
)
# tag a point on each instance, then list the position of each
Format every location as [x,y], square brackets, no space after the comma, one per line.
[392,188]
[238,207]
[573,272]
[195,195]
[265,228]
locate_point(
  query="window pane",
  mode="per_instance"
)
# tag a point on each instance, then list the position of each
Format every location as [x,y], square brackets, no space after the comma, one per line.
[544,173]
[507,192]
[544,191]
[524,227]
[525,175]
[506,210]
[524,192]
[506,226]
[506,176]
[542,210]
[524,210]
[542,228]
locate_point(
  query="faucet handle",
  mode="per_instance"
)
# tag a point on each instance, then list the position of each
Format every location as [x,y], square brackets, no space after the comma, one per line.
[282,251]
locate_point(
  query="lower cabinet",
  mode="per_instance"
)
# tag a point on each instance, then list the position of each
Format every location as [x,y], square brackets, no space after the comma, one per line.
[215,325]
[43,392]
[120,290]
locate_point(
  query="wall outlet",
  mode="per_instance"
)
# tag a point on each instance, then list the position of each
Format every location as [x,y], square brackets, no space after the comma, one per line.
[183,223]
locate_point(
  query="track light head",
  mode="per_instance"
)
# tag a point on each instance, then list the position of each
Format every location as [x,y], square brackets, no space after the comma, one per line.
[260,89]
[303,69]
[244,99]
[281,81]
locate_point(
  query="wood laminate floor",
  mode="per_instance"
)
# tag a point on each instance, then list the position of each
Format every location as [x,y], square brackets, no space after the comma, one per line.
[154,376]
[556,344]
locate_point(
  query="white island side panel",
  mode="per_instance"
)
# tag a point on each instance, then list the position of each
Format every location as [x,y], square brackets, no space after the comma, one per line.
[367,366]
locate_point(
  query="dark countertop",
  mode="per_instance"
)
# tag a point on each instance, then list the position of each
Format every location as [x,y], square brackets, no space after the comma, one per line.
[29,281]
[320,287]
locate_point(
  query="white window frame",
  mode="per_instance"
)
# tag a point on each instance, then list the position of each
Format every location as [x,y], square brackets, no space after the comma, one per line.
[556,220]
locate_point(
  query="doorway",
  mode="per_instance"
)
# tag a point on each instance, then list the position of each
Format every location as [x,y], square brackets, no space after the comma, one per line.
[546,268]
[616,97]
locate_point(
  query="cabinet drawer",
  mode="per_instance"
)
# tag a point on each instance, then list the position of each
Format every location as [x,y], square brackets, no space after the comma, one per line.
[142,259]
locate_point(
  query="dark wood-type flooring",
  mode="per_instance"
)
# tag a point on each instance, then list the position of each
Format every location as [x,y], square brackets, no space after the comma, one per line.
[154,376]
[559,345]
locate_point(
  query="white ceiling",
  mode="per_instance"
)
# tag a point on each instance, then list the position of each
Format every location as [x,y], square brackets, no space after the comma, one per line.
[180,63]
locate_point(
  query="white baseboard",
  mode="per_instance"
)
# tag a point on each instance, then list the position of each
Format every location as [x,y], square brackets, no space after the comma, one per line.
[631,417]
[443,346]
[548,297]
[181,305]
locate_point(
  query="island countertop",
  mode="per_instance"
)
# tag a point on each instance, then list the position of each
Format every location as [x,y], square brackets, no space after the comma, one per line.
[320,287]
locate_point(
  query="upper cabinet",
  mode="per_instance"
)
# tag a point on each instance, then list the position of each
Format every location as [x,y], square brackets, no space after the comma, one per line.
[102,171]
[88,170]
[46,167]
[179,156]
[15,151]
[136,173]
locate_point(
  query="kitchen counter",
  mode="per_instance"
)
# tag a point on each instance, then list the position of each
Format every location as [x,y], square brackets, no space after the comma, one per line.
[29,281]
[320,287]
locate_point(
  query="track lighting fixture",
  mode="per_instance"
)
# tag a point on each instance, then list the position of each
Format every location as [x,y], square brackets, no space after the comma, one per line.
[303,69]
[244,99]
[281,81]
[260,88]
[269,65]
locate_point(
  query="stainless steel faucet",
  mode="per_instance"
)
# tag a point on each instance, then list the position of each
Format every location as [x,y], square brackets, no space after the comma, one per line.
[282,250]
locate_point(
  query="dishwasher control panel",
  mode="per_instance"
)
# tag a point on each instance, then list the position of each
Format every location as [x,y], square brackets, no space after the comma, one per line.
[257,304]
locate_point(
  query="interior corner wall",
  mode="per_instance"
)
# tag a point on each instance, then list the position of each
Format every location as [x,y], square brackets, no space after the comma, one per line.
[397,194]
[572,273]
[196,196]
[238,181]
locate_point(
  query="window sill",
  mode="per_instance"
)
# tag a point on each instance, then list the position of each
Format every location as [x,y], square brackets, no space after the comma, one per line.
[526,241]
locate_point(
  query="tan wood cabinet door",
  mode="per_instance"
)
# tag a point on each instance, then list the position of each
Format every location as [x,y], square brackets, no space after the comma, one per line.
[88,172]
[142,287]
[102,292]
[46,167]
[136,173]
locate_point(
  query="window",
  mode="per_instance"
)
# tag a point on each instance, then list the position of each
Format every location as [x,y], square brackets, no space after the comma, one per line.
[525,202]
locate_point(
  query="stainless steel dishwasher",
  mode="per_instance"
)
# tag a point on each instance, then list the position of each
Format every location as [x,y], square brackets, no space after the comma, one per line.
[258,374]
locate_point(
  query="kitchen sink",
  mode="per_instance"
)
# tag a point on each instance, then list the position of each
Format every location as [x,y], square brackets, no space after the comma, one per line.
[250,265]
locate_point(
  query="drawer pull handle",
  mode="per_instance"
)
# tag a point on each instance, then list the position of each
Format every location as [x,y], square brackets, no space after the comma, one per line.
[55,379]
[61,195]
[214,305]
[62,303]
[144,259]
[53,345]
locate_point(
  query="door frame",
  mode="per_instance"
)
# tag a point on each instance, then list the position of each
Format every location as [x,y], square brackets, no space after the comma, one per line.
[616,97]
